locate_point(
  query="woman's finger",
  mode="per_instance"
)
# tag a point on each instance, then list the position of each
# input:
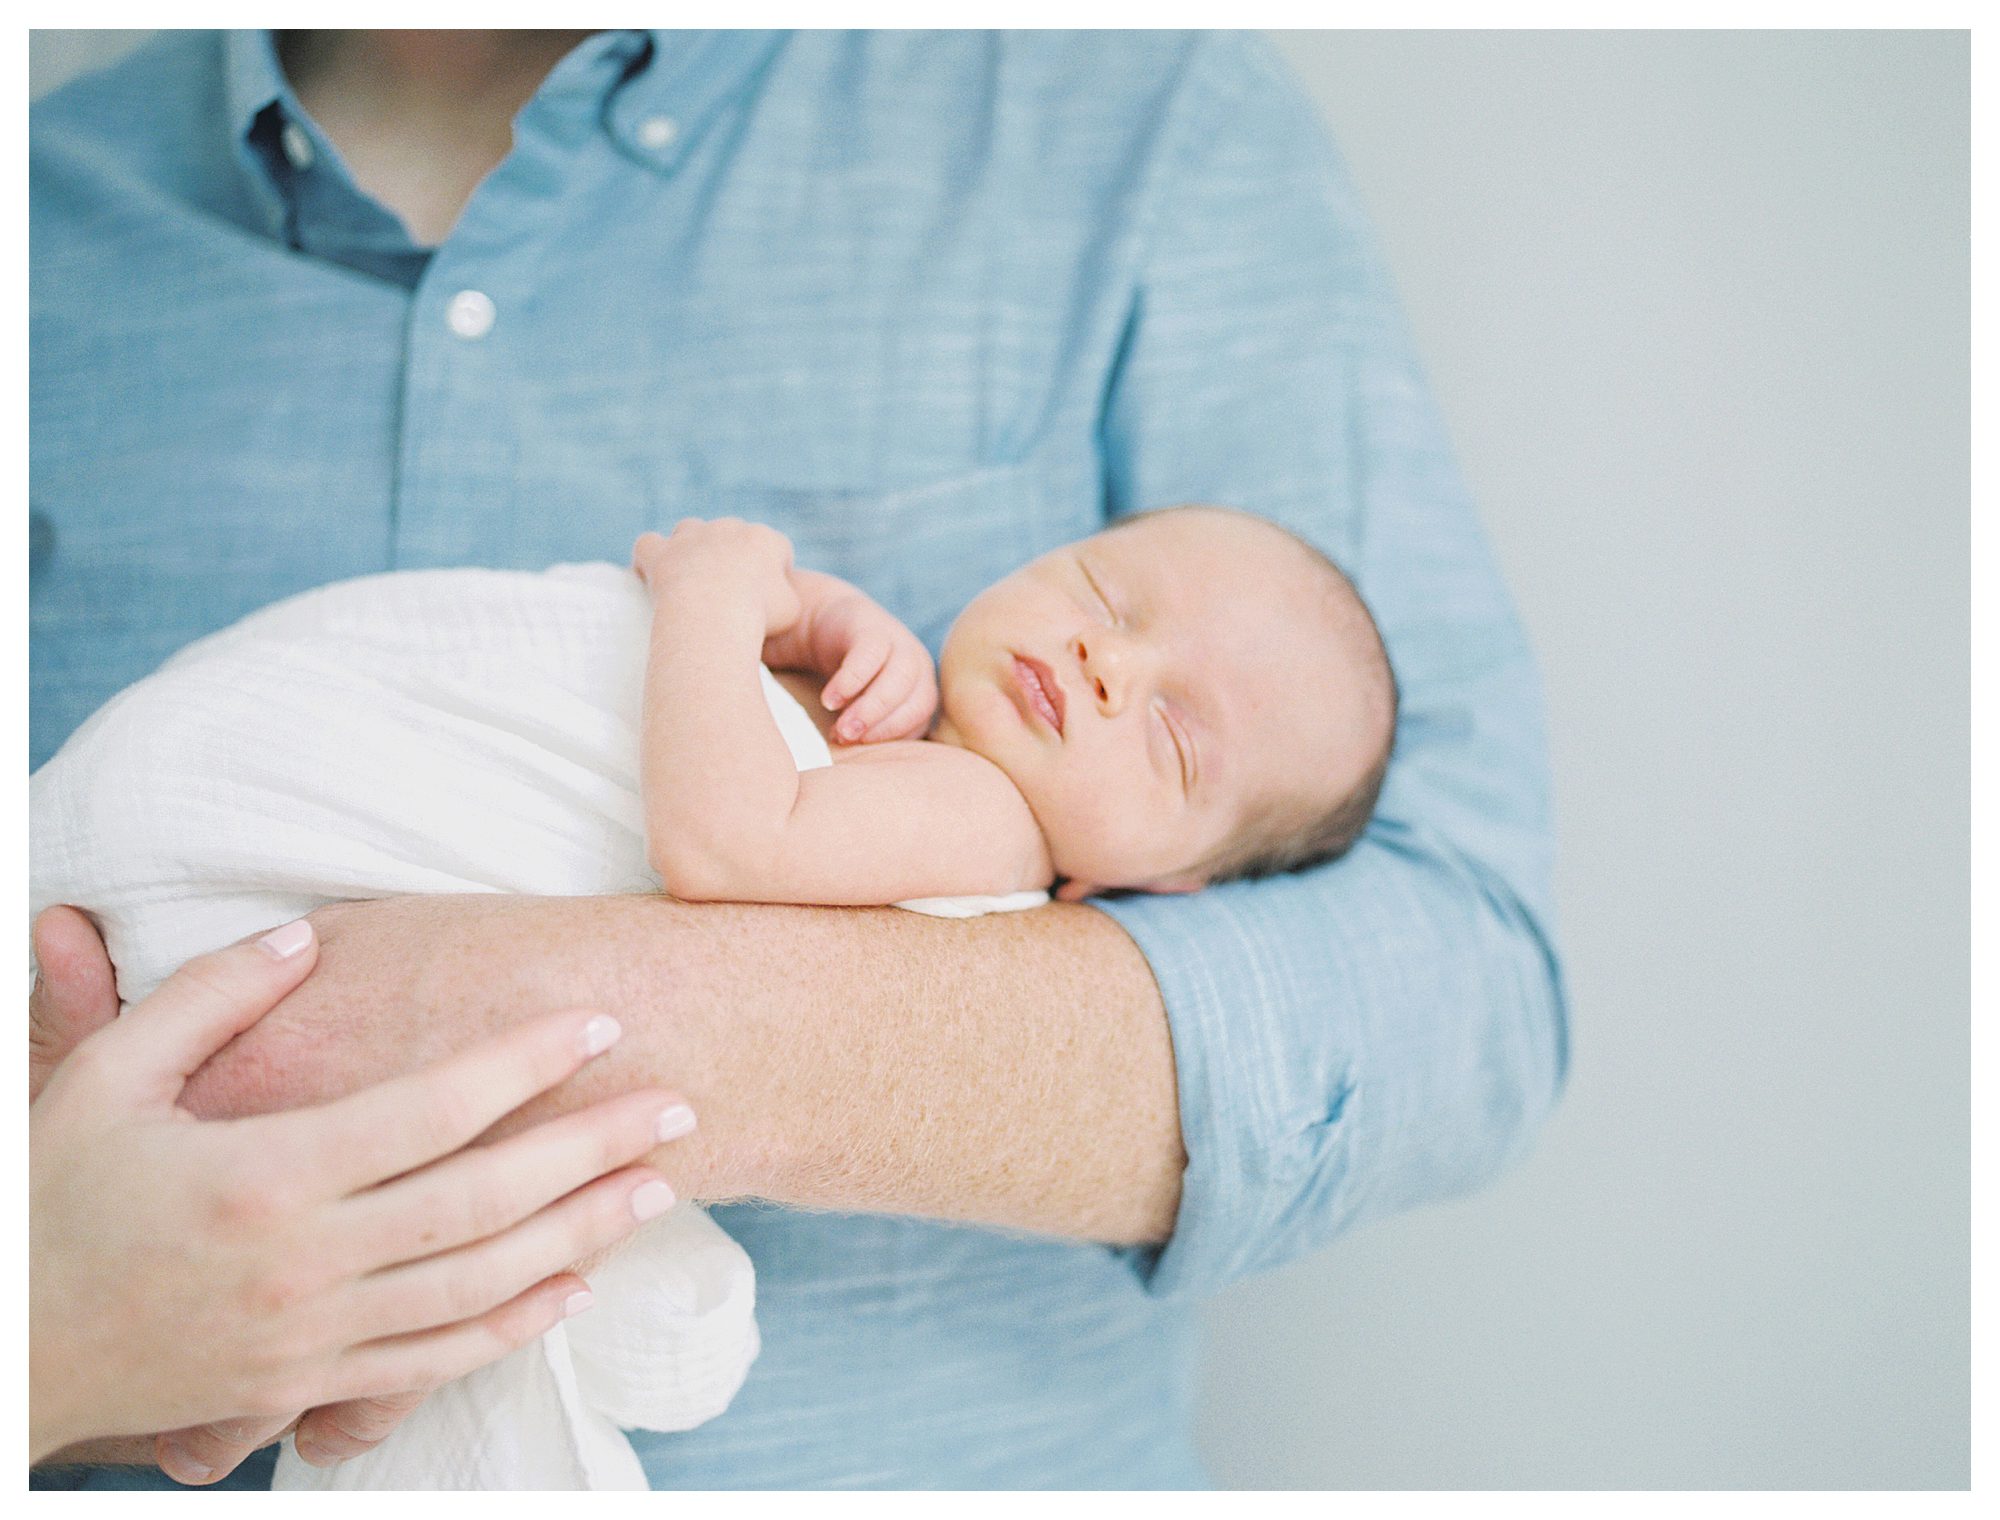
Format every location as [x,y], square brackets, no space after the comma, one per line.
[202,1007]
[399,1125]
[489,1188]
[430,1358]
[457,1285]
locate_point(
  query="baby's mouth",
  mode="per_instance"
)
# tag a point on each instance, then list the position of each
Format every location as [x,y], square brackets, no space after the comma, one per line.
[1039,685]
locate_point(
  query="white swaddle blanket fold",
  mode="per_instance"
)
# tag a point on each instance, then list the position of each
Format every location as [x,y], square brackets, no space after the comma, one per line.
[431,731]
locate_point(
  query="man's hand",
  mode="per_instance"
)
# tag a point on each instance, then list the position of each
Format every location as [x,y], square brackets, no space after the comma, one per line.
[75,992]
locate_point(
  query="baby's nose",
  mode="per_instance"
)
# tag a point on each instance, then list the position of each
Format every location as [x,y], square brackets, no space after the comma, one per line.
[1103,665]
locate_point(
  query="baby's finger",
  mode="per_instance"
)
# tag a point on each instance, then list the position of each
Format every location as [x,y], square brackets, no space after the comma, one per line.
[910,720]
[885,694]
[857,669]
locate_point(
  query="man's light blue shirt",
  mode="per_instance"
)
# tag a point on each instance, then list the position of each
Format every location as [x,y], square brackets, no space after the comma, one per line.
[930,304]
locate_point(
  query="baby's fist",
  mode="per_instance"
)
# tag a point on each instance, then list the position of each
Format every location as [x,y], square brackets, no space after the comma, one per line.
[885,686]
[646,555]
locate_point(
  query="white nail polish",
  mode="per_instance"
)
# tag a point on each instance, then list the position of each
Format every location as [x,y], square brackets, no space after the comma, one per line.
[652,1200]
[673,1123]
[600,1034]
[287,940]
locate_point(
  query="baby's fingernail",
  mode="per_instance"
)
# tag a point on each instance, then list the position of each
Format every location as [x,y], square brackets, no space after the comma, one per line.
[652,1200]
[600,1034]
[287,940]
[181,1466]
[577,1302]
[674,1122]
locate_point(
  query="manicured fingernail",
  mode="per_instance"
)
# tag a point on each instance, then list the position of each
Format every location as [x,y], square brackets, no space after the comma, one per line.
[600,1034]
[312,1452]
[652,1200]
[287,940]
[673,1122]
[577,1302]
[181,1466]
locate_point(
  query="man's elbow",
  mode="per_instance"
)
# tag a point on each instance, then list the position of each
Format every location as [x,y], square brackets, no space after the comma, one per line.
[1530,1045]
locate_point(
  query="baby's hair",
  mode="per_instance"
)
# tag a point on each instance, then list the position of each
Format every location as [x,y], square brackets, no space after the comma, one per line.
[1276,839]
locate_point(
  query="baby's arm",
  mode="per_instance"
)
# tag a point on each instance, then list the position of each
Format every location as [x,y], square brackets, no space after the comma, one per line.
[712,764]
[728,815]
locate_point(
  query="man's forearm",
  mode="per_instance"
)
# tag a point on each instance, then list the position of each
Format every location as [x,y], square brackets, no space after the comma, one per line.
[1014,1070]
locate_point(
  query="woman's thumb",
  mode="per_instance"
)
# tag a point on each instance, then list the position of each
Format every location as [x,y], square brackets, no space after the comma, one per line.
[165,1038]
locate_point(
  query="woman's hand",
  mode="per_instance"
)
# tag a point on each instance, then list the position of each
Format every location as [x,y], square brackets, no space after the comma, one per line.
[187,1272]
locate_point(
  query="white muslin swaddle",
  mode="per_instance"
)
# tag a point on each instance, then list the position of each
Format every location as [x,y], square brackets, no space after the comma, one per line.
[424,731]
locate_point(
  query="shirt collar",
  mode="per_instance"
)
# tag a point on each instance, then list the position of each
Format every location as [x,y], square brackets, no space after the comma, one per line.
[252,79]
[680,78]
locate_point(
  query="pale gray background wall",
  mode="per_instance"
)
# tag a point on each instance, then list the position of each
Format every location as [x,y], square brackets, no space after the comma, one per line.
[1696,305]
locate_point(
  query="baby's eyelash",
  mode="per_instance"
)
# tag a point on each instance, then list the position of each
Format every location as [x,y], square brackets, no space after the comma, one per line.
[1180,751]
[1109,611]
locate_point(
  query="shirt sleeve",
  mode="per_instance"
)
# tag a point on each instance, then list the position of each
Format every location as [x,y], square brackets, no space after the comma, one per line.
[1386,1030]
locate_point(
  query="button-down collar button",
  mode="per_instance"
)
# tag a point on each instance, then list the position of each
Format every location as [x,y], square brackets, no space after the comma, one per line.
[298,147]
[470,314]
[657,132]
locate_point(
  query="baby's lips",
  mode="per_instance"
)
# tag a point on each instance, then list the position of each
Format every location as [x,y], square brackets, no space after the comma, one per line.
[1043,691]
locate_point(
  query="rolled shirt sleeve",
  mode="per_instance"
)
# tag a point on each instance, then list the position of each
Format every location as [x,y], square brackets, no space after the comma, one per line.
[1389,1029]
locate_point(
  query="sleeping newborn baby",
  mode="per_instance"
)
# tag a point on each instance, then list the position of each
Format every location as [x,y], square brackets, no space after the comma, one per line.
[1190,696]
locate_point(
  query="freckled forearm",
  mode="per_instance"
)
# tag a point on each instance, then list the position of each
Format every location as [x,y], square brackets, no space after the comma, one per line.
[1013,1070]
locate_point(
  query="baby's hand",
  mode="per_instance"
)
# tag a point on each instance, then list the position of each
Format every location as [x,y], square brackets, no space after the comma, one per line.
[885,681]
[725,553]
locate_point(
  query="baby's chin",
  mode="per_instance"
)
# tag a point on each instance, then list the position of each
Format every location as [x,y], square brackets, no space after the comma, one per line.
[1099,875]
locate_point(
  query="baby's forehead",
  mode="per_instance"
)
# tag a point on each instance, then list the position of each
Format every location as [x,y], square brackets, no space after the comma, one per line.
[1210,539]
[1219,559]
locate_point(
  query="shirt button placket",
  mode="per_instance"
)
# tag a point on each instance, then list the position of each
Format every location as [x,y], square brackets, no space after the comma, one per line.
[454,491]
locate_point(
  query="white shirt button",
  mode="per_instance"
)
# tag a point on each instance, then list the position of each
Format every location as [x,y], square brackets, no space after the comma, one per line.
[298,147]
[657,132]
[470,314]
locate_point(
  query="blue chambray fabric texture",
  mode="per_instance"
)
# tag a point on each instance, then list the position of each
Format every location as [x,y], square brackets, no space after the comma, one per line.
[930,304]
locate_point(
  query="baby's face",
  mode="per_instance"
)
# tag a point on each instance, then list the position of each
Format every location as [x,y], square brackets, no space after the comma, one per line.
[1147,689]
